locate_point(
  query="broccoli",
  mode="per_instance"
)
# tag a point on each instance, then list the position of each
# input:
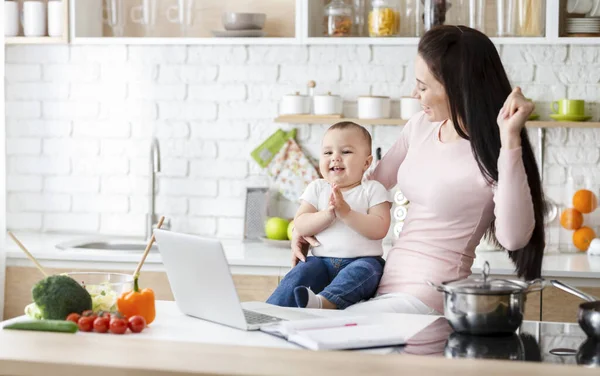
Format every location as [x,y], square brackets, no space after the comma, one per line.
[59,295]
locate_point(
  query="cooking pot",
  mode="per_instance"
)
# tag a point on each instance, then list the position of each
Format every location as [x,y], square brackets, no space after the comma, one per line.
[589,353]
[589,312]
[484,306]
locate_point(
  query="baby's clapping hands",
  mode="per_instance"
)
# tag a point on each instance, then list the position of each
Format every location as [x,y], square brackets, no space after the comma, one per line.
[337,202]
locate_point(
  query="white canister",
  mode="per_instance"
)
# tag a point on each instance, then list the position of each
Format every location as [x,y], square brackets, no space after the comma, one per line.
[409,106]
[34,19]
[294,104]
[11,18]
[55,18]
[373,107]
[327,104]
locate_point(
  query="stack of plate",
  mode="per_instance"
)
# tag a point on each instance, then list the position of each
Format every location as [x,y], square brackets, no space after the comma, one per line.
[586,25]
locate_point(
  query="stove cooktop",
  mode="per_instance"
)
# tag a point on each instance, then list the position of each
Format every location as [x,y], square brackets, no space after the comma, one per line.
[561,343]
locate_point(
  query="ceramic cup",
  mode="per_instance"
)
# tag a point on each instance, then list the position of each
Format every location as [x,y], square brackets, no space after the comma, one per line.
[409,106]
[55,18]
[573,107]
[11,18]
[34,19]
[373,107]
[294,104]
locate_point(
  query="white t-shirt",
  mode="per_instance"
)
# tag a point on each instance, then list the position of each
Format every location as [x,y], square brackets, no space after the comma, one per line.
[339,240]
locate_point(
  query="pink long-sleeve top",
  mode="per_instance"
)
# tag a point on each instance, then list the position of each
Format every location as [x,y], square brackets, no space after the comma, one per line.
[451,206]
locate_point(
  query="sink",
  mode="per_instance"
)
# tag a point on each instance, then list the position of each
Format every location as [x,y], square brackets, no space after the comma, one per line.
[108,245]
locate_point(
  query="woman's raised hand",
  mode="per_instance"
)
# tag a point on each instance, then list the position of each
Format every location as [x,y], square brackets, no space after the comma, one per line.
[514,113]
[300,246]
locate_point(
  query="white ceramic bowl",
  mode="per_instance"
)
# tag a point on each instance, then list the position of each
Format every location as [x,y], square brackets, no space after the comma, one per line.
[243,21]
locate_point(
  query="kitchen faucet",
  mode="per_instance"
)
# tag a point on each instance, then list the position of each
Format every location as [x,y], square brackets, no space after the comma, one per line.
[151,218]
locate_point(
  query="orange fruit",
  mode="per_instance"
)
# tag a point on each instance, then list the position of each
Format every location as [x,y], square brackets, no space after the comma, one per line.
[571,219]
[585,201]
[583,237]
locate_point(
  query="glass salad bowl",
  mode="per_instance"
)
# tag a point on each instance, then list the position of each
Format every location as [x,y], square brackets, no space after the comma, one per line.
[105,288]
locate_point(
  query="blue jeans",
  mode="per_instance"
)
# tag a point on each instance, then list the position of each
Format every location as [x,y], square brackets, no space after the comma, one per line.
[342,281]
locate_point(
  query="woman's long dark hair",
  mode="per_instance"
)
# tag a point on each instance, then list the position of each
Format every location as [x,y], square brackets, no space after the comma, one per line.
[466,62]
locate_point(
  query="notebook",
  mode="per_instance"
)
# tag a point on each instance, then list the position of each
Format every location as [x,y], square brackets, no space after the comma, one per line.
[337,333]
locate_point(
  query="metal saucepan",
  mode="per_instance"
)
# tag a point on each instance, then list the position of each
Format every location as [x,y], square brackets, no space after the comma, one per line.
[589,313]
[589,353]
[485,306]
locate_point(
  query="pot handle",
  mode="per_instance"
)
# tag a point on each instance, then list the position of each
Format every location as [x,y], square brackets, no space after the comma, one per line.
[572,290]
[440,288]
[532,288]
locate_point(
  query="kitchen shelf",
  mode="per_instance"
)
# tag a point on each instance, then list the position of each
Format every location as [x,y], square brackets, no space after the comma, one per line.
[309,119]
[35,40]
[86,28]
[184,41]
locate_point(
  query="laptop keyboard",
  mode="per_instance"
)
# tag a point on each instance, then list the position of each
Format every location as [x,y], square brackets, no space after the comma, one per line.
[255,318]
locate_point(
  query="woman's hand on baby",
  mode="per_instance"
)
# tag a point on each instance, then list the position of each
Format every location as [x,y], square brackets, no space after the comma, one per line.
[514,113]
[300,246]
[340,205]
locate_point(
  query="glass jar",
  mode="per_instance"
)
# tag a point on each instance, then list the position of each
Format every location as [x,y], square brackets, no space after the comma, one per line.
[338,19]
[434,13]
[360,11]
[531,20]
[506,13]
[384,18]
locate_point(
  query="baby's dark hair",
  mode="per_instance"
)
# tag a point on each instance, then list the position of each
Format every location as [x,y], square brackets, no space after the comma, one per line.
[351,125]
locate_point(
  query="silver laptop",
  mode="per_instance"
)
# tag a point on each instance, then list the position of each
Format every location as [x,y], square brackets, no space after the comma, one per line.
[201,281]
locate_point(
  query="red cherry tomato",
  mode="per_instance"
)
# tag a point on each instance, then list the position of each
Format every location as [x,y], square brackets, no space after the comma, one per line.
[89,313]
[73,317]
[118,326]
[101,324]
[86,323]
[104,314]
[137,323]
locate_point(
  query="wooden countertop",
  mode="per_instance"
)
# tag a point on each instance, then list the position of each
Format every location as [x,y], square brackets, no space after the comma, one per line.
[30,353]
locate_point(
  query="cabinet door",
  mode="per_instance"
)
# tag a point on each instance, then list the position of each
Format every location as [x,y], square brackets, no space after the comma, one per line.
[532,306]
[255,287]
[561,306]
[20,281]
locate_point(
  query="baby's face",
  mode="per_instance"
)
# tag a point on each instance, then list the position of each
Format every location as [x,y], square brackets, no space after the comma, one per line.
[344,157]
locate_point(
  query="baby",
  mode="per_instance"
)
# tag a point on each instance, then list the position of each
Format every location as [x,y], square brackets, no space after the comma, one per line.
[349,218]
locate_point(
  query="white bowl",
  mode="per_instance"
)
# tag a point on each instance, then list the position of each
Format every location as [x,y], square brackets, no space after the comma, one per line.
[243,21]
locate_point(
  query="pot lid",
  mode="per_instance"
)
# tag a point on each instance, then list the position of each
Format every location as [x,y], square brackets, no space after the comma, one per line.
[485,285]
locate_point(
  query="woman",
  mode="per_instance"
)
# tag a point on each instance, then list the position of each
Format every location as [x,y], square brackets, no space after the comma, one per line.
[467,167]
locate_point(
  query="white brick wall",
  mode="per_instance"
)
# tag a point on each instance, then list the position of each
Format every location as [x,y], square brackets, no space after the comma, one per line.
[79,120]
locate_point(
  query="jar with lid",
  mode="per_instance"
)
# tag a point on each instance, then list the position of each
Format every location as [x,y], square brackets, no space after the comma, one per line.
[384,18]
[435,13]
[338,21]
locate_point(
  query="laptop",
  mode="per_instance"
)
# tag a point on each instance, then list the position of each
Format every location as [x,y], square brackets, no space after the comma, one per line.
[202,285]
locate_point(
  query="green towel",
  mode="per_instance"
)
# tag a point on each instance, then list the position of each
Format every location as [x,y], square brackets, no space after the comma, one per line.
[265,152]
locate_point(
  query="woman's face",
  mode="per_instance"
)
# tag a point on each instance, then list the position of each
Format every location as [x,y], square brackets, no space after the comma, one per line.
[430,92]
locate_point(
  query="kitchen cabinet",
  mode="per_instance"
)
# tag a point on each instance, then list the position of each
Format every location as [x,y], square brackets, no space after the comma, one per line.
[20,280]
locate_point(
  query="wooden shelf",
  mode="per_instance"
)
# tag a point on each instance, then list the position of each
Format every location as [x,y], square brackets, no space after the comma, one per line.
[311,119]
[35,40]
[184,41]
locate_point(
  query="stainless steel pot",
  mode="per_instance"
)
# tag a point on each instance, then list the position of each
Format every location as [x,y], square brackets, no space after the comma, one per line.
[485,306]
[588,315]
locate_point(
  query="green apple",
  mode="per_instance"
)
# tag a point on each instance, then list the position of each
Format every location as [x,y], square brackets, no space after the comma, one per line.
[276,228]
[289,230]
